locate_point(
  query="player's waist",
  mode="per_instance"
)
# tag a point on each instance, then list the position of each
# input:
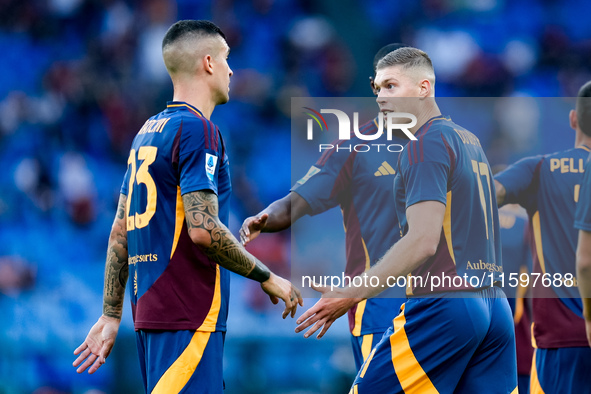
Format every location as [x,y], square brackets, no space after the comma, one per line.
[490,291]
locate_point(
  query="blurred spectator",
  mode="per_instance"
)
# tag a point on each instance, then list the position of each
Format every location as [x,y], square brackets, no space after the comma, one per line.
[15,276]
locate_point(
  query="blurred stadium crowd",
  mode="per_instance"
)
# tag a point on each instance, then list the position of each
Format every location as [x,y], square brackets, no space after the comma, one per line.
[79,77]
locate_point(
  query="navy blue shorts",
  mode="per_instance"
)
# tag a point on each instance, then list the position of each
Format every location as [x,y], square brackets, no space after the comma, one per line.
[362,346]
[445,345]
[181,361]
[562,370]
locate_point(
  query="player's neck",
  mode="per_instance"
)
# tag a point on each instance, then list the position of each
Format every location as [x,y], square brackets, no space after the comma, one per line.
[196,94]
[582,139]
[430,111]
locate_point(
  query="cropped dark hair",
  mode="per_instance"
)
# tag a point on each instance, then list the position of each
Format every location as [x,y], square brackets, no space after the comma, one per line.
[408,57]
[584,108]
[383,51]
[181,29]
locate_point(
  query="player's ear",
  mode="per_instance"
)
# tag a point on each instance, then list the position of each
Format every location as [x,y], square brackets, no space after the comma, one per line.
[207,62]
[425,88]
[572,117]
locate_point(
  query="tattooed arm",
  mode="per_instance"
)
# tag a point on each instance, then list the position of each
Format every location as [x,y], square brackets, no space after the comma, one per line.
[116,268]
[101,338]
[208,232]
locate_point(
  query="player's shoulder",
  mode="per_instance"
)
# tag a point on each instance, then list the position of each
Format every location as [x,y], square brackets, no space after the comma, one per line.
[435,129]
[198,129]
[568,153]
[450,131]
[195,122]
[430,145]
[437,133]
[546,161]
[534,163]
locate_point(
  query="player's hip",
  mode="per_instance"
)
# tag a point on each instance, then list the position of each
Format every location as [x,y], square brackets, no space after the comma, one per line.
[181,361]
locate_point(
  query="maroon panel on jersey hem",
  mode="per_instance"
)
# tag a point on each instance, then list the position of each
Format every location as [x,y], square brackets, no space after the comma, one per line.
[182,296]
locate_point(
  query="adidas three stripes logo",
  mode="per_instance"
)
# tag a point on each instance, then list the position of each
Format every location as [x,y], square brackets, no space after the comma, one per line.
[385,169]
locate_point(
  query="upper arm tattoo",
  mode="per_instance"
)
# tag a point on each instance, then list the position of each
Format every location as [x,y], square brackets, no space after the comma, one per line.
[116,267]
[201,212]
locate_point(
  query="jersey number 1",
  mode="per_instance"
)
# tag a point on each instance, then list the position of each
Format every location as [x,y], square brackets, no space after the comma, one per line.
[481,169]
[148,155]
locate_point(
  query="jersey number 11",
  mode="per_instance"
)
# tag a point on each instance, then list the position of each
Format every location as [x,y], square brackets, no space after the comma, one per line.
[481,169]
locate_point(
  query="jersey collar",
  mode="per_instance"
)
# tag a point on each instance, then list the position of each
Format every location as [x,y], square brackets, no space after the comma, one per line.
[427,124]
[438,117]
[177,104]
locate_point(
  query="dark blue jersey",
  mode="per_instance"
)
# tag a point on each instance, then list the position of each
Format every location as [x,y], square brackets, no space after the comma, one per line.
[447,164]
[583,214]
[361,183]
[516,248]
[516,241]
[175,285]
[548,187]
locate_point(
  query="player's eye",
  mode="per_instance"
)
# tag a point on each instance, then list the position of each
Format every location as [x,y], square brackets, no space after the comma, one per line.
[390,86]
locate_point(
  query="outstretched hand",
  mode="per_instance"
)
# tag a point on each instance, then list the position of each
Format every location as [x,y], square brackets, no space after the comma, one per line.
[98,344]
[252,227]
[278,288]
[330,307]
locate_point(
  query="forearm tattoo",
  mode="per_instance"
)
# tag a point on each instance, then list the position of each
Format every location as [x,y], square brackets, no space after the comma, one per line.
[201,212]
[116,268]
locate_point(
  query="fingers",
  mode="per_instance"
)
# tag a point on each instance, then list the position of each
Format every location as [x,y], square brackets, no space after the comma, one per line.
[89,361]
[307,324]
[310,312]
[80,348]
[255,223]
[325,329]
[288,306]
[262,221]
[298,295]
[82,356]
[96,365]
[274,299]
[314,328]
[106,350]
[92,360]
[245,231]
[243,234]
[294,307]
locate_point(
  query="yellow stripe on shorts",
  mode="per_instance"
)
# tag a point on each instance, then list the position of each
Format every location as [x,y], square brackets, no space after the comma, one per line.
[534,384]
[411,375]
[179,373]
[366,343]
